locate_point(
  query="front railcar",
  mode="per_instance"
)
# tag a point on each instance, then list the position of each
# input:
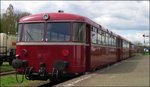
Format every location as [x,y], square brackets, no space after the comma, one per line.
[50,48]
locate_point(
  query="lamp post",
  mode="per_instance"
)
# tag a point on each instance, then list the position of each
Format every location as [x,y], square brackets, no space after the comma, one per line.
[144,42]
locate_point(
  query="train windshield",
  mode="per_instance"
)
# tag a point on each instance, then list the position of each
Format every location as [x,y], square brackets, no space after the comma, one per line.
[58,32]
[33,32]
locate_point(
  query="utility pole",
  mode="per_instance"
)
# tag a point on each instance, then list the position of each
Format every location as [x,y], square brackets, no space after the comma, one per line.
[144,43]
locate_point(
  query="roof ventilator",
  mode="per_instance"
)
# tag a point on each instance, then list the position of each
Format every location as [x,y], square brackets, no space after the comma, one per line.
[60,11]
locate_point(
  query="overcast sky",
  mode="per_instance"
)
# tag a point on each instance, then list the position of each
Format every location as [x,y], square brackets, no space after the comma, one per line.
[129,19]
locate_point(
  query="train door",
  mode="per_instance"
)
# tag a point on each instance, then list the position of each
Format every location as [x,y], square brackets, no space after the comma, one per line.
[129,49]
[88,46]
[119,48]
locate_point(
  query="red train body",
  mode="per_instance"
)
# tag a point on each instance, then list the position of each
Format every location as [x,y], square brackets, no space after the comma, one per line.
[52,45]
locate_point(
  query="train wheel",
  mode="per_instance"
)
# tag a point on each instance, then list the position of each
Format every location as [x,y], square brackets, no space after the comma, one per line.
[1,62]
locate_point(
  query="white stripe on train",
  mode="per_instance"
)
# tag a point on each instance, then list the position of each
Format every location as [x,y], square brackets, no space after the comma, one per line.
[50,43]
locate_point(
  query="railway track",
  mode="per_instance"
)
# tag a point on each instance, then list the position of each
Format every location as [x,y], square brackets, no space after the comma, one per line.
[7,73]
[53,84]
[50,84]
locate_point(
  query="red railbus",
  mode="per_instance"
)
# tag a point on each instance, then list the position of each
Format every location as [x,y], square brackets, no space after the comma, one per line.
[57,45]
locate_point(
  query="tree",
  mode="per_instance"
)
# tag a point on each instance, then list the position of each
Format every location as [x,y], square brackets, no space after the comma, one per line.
[0,25]
[20,14]
[9,20]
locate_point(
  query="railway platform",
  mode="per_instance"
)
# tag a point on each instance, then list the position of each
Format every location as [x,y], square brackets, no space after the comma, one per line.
[130,72]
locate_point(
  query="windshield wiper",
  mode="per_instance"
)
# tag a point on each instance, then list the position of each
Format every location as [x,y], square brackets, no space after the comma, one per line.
[29,35]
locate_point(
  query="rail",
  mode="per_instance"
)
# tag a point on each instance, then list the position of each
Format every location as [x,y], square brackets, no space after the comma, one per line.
[7,73]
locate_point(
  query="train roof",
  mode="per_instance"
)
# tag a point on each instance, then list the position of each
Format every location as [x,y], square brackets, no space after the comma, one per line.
[61,16]
[57,17]
[52,16]
[123,38]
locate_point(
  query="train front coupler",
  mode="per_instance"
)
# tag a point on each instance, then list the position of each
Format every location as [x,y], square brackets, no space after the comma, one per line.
[17,63]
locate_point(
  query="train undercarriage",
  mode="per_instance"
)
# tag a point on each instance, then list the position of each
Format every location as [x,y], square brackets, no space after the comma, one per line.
[58,72]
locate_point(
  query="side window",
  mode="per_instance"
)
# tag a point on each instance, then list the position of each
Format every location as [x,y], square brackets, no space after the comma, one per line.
[132,46]
[110,40]
[107,39]
[103,34]
[127,44]
[19,32]
[99,36]
[79,32]
[109,36]
[123,44]
[94,35]
[114,41]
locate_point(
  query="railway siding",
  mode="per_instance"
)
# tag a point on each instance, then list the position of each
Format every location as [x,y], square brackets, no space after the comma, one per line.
[7,73]
[130,72]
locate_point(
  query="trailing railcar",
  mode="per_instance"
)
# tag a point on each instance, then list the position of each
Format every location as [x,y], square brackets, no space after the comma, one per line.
[57,45]
[132,50]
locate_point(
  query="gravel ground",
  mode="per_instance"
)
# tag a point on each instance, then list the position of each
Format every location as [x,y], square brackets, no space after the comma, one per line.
[130,72]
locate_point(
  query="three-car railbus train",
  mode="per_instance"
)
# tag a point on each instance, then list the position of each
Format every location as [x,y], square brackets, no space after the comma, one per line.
[56,45]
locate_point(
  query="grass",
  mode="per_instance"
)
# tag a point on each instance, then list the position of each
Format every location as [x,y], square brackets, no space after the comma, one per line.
[10,80]
[6,67]
[147,53]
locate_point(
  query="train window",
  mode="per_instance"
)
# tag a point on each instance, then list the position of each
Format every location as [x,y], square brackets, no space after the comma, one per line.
[127,44]
[19,32]
[58,32]
[132,46]
[124,44]
[103,41]
[99,36]
[33,32]
[94,35]
[107,39]
[79,32]
[110,40]
[114,41]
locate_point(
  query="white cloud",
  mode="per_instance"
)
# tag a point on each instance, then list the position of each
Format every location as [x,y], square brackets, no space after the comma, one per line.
[122,17]
[138,36]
